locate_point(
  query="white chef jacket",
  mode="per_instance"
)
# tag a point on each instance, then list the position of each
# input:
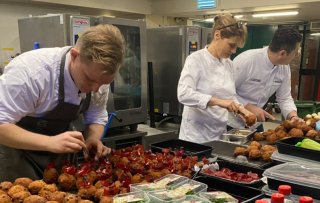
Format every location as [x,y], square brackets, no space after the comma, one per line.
[202,77]
[256,79]
[29,86]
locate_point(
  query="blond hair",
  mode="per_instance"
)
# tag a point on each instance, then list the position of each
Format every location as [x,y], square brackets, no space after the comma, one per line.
[230,27]
[103,44]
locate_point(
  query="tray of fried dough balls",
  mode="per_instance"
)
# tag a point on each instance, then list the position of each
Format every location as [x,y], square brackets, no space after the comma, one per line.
[252,154]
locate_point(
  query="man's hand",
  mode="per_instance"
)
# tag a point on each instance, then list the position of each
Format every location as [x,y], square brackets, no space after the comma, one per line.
[95,145]
[67,142]
[259,112]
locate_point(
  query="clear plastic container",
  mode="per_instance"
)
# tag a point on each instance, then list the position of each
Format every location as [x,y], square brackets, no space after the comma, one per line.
[132,197]
[193,199]
[166,182]
[177,192]
[304,179]
[218,196]
[287,158]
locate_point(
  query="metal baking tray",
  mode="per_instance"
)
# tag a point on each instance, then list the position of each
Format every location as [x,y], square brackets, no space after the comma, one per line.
[224,150]
[239,136]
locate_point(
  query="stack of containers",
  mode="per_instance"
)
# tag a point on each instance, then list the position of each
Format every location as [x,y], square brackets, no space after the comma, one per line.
[131,197]
[303,179]
[170,188]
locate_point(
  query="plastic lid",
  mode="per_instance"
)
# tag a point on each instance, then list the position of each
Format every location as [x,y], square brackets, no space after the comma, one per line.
[261,201]
[277,198]
[284,189]
[293,173]
[305,199]
[287,158]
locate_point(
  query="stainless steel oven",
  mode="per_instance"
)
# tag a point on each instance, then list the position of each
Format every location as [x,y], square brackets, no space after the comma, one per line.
[128,94]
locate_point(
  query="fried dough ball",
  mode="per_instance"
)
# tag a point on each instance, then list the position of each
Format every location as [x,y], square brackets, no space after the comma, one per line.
[5,185]
[295,132]
[268,148]
[304,127]
[311,122]
[280,128]
[266,155]
[240,151]
[15,189]
[71,198]
[250,119]
[258,136]
[20,196]
[281,134]
[87,192]
[35,199]
[35,186]
[99,193]
[56,196]
[254,147]
[255,143]
[288,125]
[106,199]
[53,202]
[67,182]
[254,154]
[50,175]
[272,138]
[2,192]
[49,188]
[23,181]
[4,198]
[312,134]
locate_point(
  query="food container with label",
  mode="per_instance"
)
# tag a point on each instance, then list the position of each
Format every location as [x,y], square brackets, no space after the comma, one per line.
[239,136]
[193,199]
[166,182]
[303,179]
[218,196]
[178,192]
[132,197]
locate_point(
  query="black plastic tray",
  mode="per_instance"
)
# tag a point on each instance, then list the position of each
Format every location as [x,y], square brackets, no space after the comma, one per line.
[240,169]
[224,150]
[296,189]
[243,193]
[190,148]
[287,146]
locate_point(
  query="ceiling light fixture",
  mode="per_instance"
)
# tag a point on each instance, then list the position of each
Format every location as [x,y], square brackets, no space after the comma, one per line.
[238,16]
[315,34]
[284,13]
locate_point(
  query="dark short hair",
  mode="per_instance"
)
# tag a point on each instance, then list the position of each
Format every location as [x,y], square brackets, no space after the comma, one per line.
[285,38]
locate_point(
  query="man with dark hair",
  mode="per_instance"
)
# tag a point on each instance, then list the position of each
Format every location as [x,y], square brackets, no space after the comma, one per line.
[259,73]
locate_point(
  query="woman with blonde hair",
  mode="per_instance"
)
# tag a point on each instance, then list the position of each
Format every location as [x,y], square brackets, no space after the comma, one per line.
[206,87]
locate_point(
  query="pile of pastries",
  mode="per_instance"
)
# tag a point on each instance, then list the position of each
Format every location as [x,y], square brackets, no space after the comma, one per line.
[97,181]
[255,151]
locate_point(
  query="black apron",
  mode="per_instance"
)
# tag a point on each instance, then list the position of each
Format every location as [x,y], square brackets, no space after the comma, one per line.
[15,163]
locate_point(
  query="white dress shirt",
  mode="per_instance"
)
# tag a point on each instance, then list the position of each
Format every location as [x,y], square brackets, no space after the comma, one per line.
[256,79]
[30,83]
[202,77]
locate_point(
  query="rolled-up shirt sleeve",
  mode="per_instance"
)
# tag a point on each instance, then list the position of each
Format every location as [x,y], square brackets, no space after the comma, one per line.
[283,95]
[97,111]
[18,93]
[187,86]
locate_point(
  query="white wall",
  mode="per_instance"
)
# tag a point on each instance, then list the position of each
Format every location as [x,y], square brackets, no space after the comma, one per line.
[9,15]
